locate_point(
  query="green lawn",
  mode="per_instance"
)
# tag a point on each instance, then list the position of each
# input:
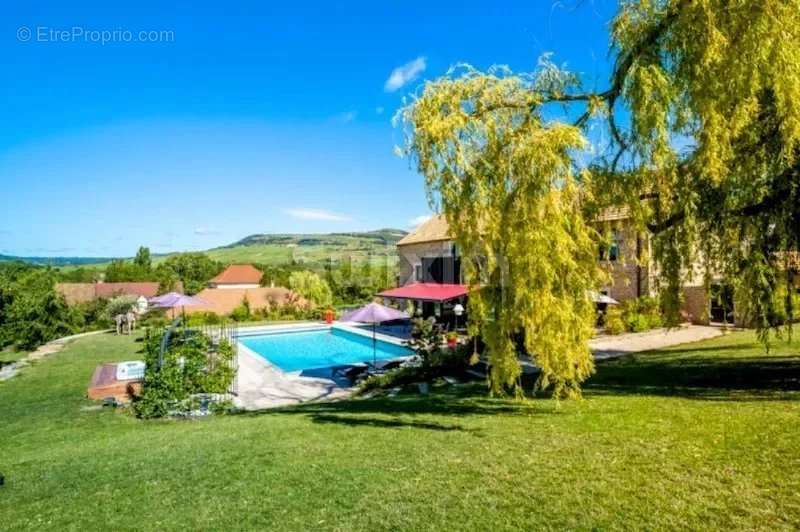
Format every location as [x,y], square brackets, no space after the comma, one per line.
[700,437]
[8,356]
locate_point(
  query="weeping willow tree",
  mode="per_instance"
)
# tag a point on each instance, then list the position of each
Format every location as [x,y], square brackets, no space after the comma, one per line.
[702,115]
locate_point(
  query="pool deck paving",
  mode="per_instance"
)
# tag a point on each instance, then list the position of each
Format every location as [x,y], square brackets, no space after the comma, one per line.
[261,385]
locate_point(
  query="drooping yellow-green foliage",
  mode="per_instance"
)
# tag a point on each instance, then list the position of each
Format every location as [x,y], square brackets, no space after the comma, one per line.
[703,115]
[504,178]
[713,87]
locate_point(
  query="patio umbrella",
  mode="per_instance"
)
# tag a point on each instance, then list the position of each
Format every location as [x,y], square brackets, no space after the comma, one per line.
[174,300]
[597,297]
[374,313]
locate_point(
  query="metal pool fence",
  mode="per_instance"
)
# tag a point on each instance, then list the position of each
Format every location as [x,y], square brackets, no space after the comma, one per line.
[216,333]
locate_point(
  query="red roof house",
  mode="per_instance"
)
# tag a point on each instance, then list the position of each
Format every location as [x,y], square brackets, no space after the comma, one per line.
[237,276]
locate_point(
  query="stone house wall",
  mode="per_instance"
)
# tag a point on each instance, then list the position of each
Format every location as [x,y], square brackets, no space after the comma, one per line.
[411,255]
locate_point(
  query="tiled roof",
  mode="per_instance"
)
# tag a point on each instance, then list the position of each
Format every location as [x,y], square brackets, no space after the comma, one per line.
[433,230]
[138,289]
[223,301]
[239,274]
[437,230]
[77,292]
[85,292]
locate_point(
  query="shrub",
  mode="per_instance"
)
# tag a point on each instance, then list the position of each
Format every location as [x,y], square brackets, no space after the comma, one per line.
[204,318]
[655,321]
[95,314]
[635,315]
[426,339]
[614,323]
[242,312]
[191,364]
[636,322]
[441,362]
[33,312]
[155,318]
[120,305]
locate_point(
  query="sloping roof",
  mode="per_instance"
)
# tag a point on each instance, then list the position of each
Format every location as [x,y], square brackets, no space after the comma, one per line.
[427,291]
[437,230]
[239,274]
[138,289]
[76,293]
[84,292]
[223,301]
[433,230]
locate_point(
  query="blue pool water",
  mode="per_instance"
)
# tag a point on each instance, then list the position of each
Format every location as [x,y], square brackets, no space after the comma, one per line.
[294,351]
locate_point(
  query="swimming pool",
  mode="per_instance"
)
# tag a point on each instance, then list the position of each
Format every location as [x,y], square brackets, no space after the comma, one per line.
[305,350]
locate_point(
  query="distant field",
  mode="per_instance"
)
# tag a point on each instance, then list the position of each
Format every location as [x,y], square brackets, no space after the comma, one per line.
[311,249]
[277,249]
[276,255]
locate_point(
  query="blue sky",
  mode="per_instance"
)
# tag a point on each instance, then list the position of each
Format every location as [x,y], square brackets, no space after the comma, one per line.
[243,117]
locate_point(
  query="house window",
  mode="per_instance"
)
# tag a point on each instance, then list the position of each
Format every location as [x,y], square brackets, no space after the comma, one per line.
[418,272]
[611,251]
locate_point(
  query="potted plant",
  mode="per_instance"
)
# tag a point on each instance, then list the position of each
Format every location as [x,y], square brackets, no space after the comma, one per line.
[452,339]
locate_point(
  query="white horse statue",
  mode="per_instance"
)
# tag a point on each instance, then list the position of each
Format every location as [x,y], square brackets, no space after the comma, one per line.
[125,322]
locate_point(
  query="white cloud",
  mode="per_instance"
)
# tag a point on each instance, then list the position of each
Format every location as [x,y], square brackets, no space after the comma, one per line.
[419,220]
[316,214]
[346,117]
[405,74]
[205,231]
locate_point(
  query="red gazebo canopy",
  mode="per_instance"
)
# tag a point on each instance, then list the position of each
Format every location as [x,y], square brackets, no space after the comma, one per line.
[427,292]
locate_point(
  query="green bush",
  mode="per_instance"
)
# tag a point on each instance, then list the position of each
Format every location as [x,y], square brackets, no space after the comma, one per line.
[636,322]
[441,362]
[95,314]
[655,321]
[635,315]
[204,318]
[191,364]
[614,323]
[155,318]
[240,313]
[32,312]
[120,305]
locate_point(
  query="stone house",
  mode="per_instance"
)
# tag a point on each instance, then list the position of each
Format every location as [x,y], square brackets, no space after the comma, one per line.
[427,256]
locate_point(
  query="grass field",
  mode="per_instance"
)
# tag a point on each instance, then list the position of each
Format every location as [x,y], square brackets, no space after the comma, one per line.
[314,250]
[317,255]
[701,437]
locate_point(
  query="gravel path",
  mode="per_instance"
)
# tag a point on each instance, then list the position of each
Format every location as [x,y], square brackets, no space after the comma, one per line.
[605,347]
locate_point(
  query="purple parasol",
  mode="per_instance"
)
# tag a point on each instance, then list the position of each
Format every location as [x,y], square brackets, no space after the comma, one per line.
[174,300]
[374,313]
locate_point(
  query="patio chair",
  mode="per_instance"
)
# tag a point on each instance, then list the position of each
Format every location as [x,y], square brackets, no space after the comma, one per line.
[351,373]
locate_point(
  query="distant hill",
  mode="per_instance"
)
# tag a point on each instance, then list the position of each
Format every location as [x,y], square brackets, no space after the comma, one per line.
[271,249]
[312,249]
[56,261]
[381,237]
